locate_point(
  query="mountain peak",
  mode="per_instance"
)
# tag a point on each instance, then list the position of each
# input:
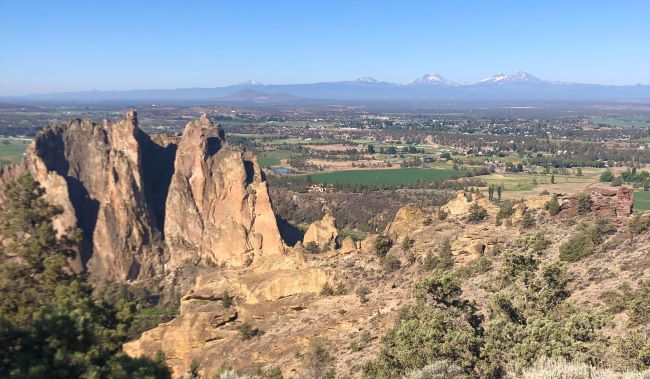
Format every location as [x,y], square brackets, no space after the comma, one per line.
[432,78]
[367,79]
[519,77]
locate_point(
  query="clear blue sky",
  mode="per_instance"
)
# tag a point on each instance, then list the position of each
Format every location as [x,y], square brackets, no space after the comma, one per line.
[60,45]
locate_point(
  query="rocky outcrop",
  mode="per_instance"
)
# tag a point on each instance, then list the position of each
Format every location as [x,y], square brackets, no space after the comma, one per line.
[218,208]
[408,219]
[322,232]
[94,173]
[348,245]
[459,206]
[132,194]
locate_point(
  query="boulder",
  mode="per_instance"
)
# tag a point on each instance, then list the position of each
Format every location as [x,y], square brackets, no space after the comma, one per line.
[348,245]
[322,232]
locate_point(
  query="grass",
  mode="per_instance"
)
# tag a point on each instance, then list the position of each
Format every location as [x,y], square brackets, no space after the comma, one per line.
[12,149]
[527,182]
[623,122]
[642,200]
[399,176]
[273,157]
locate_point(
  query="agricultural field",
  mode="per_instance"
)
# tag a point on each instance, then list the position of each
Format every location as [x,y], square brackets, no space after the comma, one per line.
[12,149]
[273,157]
[397,176]
[622,122]
[516,186]
[642,200]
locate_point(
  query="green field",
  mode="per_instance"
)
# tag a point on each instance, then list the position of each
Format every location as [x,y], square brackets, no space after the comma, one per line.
[12,149]
[623,122]
[273,158]
[642,200]
[398,176]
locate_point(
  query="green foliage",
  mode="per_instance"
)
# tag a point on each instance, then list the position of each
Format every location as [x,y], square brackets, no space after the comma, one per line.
[362,293]
[584,243]
[476,213]
[527,221]
[382,245]
[576,248]
[636,303]
[442,215]
[407,243]
[318,360]
[273,373]
[312,247]
[391,263]
[227,300]
[553,206]
[327,290]
[439,326]
[442,260]
[505,212]
[50,326]
[606,176]
[246,331]
[584,203]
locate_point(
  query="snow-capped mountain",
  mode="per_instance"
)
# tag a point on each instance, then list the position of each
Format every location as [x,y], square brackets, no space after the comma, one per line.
[519,77]
[518,86]
[367,79]
[432,79]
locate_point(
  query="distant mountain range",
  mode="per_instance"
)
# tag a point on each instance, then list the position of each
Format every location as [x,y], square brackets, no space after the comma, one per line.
[519,86]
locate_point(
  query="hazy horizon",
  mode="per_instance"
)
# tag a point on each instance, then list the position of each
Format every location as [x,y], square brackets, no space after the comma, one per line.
[67,46]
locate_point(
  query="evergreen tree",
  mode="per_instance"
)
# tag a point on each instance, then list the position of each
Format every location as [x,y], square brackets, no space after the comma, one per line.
[50,325]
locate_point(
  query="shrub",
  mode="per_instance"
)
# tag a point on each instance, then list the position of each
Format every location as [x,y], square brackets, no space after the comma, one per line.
[476,213]
[318,360]
[247,332]
[442,215]
[362,293]
[606,176]
[227,300]
[273,373]
[505,211]
[527,221]
[576,248]
[427,221]
[382,245]
[312,247]
[553,206]
[391,263]
[407,243]
[438,370]
[553,369]
[617,182]
[327,290]
[584,203]
[341,289]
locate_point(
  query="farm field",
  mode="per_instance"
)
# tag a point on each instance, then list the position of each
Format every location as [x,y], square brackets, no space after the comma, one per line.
[273,158]
[398,176]
[12,149]
[642,200]
[622,122]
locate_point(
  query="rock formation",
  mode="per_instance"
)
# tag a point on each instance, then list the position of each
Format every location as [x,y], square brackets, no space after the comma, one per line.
[322,232]
[218,208]
[131,194]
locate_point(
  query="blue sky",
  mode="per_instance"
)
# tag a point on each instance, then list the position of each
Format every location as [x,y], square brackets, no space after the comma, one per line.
[48,46]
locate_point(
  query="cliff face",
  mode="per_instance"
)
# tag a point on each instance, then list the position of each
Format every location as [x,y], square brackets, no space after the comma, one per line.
[218,208]
[132,194]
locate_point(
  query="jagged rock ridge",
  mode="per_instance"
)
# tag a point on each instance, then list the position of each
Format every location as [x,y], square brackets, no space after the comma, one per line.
[127,191]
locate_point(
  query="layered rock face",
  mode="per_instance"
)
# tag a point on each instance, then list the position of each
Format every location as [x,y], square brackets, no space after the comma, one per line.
[94,173]
[218,208]
[131,194]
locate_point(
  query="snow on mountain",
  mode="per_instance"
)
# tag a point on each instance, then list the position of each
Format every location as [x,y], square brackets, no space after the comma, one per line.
[367,79]
[434,78]
[519,77]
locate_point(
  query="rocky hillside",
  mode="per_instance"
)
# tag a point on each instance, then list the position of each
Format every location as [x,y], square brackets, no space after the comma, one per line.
[147,204]
[331,307]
